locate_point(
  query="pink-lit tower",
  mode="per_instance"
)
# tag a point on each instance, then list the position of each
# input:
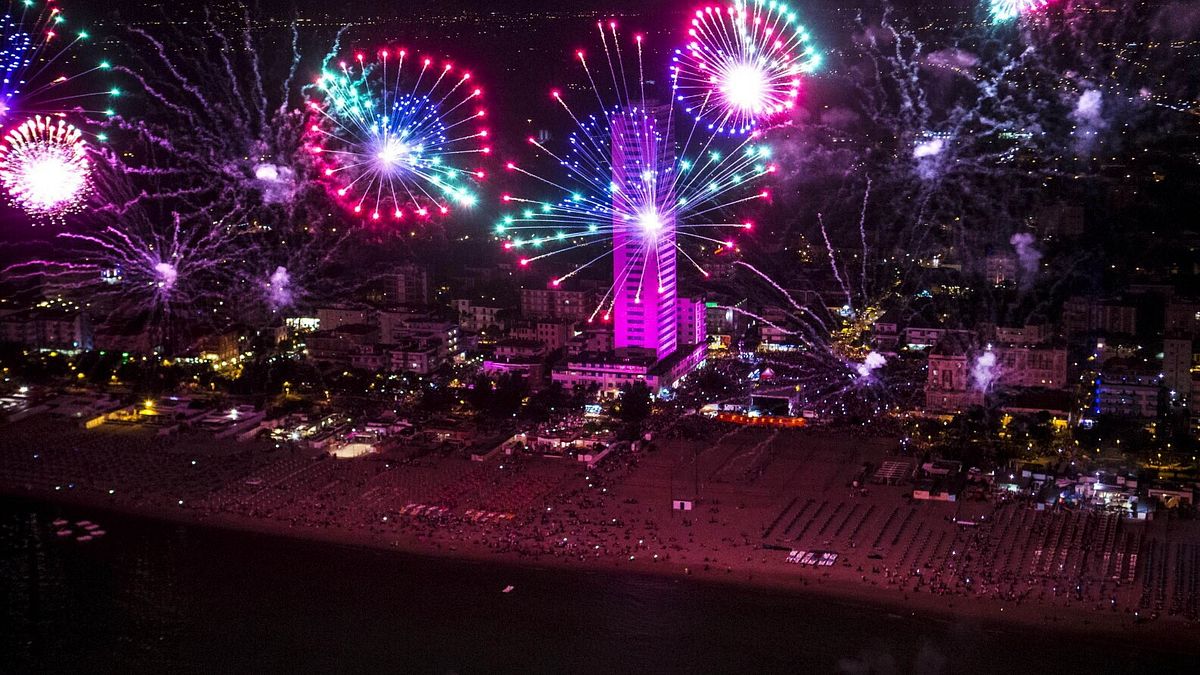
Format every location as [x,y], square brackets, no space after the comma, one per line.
[644,283]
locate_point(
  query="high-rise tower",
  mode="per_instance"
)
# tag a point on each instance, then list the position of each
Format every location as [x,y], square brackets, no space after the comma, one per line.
[657,338]
[644,282]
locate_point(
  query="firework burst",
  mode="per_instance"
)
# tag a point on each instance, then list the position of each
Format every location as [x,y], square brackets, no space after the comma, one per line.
[397,136]
[35,63]
[743,64]
[45,168]
[629,190]
[1003,11]
[164,272]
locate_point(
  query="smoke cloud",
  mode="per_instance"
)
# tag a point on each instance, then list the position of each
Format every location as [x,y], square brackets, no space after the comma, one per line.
[278,183]
[1177,20]
[984,371]
[167,275]
[929,148]
[1028,256]
[928,154]
[1088,116]
[873,362]
[279,289]
[955,60]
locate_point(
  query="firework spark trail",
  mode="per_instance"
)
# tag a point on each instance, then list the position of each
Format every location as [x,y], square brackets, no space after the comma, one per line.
[969,166]
[832,388]
[767,278]
[833,263]
[893,97]
[828,355]
[961,149]
[1125,54]
[862,234]
[959,120]
[810,340]
[813,330]
[212,111]
[222,149]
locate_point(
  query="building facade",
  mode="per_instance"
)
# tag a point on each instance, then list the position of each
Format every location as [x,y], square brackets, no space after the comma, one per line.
[553,334]
[47,328]
[1178,364]
[1182,318]
[479,315]
[557,304]
[1032,366]
[332,318]
[410,285]
[656,338]
[1122,393]
[948,385]
[692,326]
[644,271]
[1083,315]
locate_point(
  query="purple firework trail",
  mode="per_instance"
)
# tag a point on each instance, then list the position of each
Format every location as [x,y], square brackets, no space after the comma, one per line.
[222,104]
[161,270]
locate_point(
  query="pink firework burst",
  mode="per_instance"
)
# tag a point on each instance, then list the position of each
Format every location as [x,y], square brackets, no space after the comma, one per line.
[742,65]
[44,167]
[398,136]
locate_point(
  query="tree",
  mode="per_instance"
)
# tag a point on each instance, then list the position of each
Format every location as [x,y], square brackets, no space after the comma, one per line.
[480,395]
[548,403]
[1041,430]
[634,405]
[712,381]
[435,398]
[510,391]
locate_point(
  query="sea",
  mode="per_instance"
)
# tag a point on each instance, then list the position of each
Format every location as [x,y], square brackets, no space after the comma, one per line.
[152,596]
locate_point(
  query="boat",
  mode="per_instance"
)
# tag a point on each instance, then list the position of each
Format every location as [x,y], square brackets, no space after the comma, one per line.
[63,533]
[507,589]
[91,527]
[83,523]
[86,537]
[98,533]
[59,522]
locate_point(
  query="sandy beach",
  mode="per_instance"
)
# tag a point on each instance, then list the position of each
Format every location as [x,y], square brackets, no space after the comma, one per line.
[868,595]
[762,495]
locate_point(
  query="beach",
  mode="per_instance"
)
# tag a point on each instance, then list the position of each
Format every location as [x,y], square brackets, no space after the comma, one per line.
[762,495]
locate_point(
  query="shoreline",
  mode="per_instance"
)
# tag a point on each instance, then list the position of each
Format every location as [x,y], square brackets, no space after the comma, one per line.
[1164,633]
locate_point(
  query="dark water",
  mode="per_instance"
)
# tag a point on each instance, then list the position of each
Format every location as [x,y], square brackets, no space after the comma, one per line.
[157,597]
